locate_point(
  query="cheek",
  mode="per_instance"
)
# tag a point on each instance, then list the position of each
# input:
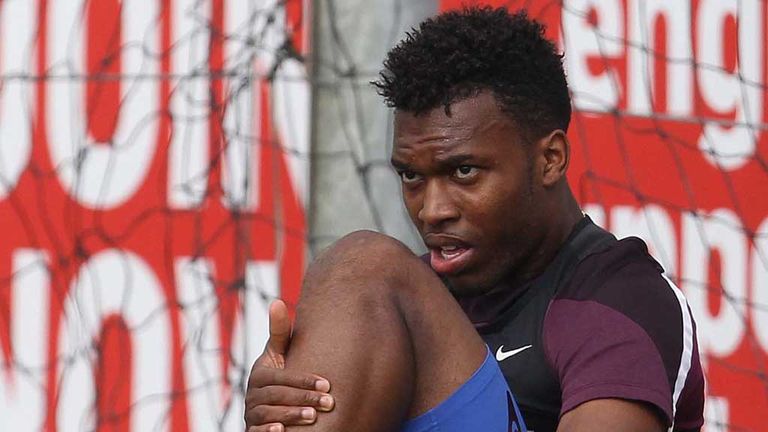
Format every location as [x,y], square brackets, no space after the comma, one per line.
[491,207]
[412,205]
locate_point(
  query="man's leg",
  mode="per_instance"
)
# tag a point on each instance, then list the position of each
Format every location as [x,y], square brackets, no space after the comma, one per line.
[382,327]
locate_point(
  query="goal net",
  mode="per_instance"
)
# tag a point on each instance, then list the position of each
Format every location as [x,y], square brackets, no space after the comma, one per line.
[155,194]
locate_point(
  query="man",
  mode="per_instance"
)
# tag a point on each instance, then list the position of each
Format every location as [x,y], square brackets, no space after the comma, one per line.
[589,333]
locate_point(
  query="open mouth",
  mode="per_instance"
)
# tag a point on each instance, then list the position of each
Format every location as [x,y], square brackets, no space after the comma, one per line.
[449,259]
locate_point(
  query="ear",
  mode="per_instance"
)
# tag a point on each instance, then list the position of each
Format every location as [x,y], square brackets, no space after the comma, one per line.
[556,153]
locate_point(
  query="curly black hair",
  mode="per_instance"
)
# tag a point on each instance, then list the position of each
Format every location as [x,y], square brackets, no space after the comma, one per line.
[460,53]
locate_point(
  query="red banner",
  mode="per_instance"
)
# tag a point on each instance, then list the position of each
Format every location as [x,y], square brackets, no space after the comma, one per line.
[152,190]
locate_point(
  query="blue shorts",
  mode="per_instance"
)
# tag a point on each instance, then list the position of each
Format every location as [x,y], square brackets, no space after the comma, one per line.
[484,403]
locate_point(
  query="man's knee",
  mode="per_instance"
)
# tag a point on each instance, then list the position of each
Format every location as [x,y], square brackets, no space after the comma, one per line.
[362,256]
[371,246]
[368,250]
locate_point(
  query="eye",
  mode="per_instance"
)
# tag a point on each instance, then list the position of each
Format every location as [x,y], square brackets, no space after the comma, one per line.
[465,171]
[409,177]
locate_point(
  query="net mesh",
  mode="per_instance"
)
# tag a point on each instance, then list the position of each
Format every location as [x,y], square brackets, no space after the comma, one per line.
[154,166]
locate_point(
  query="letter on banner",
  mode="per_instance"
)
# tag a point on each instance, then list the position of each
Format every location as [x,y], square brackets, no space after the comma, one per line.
[292,112]
[202,345]
[115,283]
[189,162]
[18,25]
[23,385]
[730,147]
[716,414]
[760,285]
[201,342]
[642,16]
[245,26]
[103,174]
[721,334]
[583,41]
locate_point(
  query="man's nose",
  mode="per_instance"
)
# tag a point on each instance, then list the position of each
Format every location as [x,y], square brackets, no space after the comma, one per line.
[438,206]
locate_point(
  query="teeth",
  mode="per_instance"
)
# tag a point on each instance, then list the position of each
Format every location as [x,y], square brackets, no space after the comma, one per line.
[449,252]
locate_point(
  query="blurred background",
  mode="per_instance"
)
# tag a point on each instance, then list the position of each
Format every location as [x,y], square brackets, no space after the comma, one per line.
[169,167]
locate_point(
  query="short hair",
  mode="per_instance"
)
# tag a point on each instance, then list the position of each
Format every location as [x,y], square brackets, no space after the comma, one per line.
[460,53]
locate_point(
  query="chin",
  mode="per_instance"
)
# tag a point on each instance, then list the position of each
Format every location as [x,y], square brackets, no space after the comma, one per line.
[465,286]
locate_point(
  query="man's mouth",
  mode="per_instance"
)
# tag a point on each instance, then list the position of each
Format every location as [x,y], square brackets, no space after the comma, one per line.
[447,260]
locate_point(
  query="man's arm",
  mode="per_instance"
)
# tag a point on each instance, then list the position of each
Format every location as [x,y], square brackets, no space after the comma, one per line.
[279,397]
[609,415]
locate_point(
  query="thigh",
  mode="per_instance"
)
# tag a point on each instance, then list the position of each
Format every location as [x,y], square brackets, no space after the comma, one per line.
[447,348]
[369,304]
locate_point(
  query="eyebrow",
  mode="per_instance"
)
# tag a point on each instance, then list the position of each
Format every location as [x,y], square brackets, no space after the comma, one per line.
[450,160]
[454,160]
[398,165]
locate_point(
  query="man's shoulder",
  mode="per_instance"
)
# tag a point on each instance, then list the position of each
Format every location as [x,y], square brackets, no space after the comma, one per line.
[623,279]
[620,328]
[617,274]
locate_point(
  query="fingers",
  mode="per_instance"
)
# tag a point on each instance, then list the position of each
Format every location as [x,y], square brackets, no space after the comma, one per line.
[279,328]
[278,395]
[264,407]
[272,427]
[266,376]
[268,415]
[289,406]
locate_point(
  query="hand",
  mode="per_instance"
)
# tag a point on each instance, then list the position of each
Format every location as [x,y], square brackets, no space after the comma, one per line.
[275,397]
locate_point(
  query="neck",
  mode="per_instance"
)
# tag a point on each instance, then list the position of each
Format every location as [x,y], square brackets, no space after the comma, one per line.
[562,216]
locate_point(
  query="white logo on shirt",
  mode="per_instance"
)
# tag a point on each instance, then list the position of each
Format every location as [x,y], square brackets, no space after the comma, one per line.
[502,355]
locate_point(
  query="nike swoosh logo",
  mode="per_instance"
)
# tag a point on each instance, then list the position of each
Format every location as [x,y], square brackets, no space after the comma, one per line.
[502,355]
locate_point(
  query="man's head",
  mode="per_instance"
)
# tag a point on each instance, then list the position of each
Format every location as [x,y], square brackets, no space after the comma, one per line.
[481,108]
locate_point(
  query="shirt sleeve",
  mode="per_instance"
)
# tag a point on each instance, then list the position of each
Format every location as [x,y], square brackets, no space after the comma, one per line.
[599,353]
[625,332]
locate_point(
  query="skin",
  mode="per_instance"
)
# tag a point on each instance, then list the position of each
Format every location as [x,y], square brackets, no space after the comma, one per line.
[476,179]
[473,177]
[387,333]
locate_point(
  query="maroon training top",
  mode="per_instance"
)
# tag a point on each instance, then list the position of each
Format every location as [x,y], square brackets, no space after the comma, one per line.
[601,322]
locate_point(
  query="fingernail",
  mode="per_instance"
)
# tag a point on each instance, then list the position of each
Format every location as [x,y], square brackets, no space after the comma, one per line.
[322,385]
[275,428]
[308,413]
[326,401]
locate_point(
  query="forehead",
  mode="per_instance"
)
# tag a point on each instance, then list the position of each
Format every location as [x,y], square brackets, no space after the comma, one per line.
[473,124]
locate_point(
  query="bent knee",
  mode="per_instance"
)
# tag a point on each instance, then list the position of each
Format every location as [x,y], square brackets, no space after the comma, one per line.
[371,245]
[370,250]
[363,253]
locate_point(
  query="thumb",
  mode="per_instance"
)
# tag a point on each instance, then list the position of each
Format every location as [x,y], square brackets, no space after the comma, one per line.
[279,328]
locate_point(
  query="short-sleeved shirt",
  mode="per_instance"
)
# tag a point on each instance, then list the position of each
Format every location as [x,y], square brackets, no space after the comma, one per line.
[602,321]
